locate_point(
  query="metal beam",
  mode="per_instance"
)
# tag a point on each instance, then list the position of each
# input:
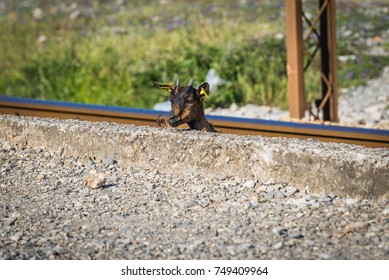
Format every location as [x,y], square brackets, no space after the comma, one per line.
[296,49]
[294,43]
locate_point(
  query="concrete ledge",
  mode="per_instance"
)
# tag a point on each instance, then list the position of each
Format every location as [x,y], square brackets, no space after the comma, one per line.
[345,170]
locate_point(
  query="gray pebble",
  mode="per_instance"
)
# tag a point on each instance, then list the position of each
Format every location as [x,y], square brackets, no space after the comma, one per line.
[295,234]
[290,189]
[278,194]
[16,237]
[315,206]
[249,184]
[108,161]
[151,187]
[384,202]
[326,198]
[309,197]
[278,245]
[9,221]
[89,164]
[299,201]
[279,230]
[269,196]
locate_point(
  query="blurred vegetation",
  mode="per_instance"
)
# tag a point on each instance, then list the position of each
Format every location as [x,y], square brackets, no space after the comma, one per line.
[111,52]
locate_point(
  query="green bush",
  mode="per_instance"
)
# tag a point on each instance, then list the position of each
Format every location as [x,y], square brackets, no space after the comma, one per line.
[255,71]
[114,54]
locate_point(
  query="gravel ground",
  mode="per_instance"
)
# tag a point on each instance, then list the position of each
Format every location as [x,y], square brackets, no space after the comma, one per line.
[49,213]
[364,106]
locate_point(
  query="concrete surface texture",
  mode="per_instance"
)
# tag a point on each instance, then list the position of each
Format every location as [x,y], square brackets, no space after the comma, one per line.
[80,190]
[345,170]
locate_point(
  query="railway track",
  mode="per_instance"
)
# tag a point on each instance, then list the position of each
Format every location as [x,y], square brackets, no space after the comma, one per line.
[66,110]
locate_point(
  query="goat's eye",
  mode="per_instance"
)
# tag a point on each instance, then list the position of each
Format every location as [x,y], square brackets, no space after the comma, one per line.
[190,100]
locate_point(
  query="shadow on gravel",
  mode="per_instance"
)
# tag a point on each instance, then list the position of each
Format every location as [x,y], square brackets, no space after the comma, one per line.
[108,186]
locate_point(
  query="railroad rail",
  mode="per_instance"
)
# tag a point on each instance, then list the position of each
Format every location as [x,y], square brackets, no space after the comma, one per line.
[67,110]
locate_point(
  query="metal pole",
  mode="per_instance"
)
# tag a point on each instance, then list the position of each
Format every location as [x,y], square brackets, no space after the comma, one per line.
[294,46]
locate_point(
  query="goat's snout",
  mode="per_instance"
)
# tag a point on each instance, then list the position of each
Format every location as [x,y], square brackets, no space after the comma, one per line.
[174,120]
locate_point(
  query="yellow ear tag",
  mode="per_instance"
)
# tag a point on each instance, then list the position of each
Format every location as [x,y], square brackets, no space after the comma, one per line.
[168,88]
[203,92]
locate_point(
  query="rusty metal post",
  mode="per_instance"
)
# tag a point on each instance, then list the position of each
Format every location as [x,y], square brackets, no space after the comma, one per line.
[329,61]
[297,48]
[294,47]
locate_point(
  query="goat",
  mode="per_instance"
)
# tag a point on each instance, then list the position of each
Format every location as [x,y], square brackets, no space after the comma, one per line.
[187,106]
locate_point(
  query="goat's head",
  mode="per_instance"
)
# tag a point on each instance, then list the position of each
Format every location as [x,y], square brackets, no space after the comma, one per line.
[187,101]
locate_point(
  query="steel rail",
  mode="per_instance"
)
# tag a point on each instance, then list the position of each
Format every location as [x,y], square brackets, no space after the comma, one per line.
[245,126]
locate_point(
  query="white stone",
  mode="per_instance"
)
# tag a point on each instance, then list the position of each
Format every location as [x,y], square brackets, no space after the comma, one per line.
[249,184]
[94,179]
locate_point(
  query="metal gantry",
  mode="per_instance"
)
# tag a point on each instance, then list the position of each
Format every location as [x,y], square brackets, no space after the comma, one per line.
[297,40]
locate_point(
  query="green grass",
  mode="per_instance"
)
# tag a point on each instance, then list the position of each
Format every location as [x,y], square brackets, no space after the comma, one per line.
[112,52]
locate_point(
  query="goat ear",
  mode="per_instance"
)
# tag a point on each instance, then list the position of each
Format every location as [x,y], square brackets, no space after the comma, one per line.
[169,88]
[203,91]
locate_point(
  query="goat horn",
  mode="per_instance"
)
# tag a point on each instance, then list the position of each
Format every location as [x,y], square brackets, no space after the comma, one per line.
[190,83]
[178,82]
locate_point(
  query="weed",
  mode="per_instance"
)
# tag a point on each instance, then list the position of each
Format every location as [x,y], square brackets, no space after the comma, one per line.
[111,53]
